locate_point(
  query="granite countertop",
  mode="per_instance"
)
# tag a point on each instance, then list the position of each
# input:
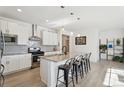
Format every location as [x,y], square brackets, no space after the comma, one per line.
[58,57]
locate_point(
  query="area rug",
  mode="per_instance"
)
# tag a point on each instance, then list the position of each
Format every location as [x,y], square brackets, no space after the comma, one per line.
[114,77]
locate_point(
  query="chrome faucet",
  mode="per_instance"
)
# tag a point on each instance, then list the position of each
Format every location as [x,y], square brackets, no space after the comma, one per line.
[64,50]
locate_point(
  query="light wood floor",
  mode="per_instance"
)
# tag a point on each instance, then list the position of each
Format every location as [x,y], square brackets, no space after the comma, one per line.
[31,78]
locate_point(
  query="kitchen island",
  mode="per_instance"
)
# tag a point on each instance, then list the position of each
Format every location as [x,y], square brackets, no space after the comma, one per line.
[49,66]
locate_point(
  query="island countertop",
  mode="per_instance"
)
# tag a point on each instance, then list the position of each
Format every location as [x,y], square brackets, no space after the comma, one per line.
[57,57]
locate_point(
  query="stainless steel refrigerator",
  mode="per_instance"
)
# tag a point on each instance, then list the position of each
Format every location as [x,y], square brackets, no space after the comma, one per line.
[2,46]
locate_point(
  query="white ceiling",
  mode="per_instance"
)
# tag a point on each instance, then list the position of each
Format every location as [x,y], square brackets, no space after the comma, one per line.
[100,17]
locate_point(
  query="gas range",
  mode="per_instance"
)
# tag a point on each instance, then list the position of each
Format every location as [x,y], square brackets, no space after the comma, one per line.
[36,53]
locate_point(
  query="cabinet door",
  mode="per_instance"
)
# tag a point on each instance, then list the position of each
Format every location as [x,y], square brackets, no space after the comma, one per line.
[6,64]
[46,38]
[3,26]
[25,61]
[50,38]
[13,63]
[55,39]
[24,33]
[39,29]
[28,60]
[12,28]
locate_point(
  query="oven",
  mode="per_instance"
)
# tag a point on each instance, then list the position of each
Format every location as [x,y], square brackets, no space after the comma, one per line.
[36,54]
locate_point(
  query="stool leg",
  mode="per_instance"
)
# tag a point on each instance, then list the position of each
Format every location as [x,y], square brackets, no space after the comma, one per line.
[85,67]
[57,78]
[80,71]
[72,73]
[66,72]
[89,64]
[82,68]
[76,72]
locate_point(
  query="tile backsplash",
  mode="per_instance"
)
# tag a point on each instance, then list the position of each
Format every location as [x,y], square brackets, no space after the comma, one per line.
[20,49]
[15,49]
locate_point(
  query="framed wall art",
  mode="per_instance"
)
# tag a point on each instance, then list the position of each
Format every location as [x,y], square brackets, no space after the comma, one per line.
[80,40]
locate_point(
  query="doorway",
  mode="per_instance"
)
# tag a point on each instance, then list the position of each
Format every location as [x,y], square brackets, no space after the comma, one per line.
[65,44]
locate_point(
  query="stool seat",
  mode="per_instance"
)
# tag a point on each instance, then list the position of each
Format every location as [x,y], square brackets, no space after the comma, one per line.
[64,67]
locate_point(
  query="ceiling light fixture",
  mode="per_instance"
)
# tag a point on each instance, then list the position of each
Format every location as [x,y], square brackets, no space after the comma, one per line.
[78,35]
[72,33]
[19,10]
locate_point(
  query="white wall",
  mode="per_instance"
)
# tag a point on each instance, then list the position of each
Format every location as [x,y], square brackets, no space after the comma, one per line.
[91,46]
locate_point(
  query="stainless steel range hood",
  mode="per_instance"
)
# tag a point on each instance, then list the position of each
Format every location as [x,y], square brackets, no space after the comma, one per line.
[33,37]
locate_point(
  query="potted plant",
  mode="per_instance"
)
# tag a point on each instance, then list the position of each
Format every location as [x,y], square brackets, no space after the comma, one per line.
[118,41]
[103,48]
[116,58]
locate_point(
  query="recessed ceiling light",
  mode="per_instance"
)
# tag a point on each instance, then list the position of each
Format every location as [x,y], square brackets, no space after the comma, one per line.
[78,18]
[62,6]
[47,20]
[19,10]
[71,13]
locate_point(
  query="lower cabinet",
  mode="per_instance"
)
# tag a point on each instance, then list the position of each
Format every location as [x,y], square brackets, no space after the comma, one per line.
[15,63]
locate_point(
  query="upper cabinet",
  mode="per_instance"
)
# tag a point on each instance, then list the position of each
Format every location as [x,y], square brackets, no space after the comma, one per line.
[22,30]
[38,32]
[8,27]
[49,38]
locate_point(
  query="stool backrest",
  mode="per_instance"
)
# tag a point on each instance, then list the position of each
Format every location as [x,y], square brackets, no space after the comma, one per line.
[69,62]
[88,55]
[78,58]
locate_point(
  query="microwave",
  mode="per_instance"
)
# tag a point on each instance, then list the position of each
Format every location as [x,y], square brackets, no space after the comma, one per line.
[10,39]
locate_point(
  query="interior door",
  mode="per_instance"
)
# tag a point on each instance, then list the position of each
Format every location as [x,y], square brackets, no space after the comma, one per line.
[65,42]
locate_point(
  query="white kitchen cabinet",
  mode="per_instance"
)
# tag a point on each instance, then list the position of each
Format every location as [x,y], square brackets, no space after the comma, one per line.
[25,61]
[45,39]
[3,26]
[8,27]
[12,28]
[24,32]
[6,63]
[11,63]
[38,32]
[49,38]
[55,38]
[15,63]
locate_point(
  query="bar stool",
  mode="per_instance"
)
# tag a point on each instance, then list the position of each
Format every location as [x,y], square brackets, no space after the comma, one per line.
[77,67]
[88,61]
[68,66]
[84,63]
